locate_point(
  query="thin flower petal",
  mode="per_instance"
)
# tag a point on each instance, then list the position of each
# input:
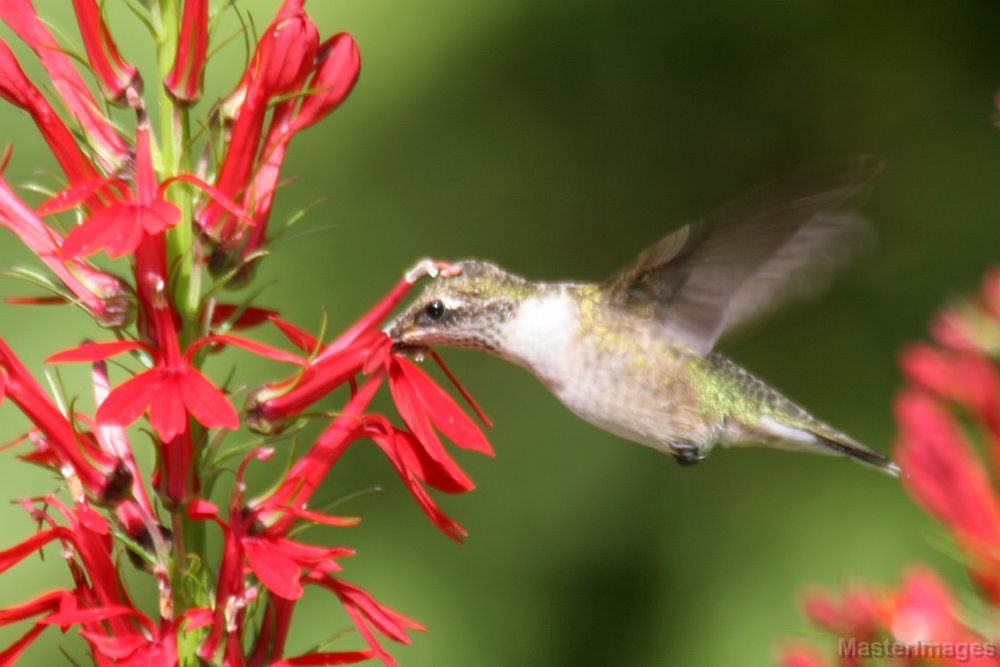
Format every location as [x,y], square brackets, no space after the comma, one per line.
[390,623]
[77,194]
[319,517]
[412,410]
[319,659]
[257,348]
[46,602]
[443,410]
[445,523]
[92,351]
[246,316]
[18,552]
[300,338]
[87,615]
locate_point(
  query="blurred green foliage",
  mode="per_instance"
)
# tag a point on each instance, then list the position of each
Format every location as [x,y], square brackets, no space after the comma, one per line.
[558,138]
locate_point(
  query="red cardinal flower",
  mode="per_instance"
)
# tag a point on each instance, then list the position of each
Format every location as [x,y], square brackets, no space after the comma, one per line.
[944,474]
[23,19]
[187,74]
[114,74]
[141,193]
[76,455]
[282,565]
[801,656]
[104,295]
[335,71]
[948,414]
[284,57]
[118,228]
[173,388]
[16,88]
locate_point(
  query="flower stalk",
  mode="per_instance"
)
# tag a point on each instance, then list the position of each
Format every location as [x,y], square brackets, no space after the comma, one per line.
[132,194]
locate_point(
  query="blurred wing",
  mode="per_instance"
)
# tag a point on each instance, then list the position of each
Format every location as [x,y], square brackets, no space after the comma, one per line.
[747,258]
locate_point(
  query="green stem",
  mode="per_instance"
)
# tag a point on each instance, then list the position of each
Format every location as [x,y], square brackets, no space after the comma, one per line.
[175,149]
[189,577]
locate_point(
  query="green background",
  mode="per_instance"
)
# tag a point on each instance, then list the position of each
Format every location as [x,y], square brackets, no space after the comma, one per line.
[559,138]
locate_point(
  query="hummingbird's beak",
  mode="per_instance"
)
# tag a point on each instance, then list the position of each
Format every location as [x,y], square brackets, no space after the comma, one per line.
[399,346]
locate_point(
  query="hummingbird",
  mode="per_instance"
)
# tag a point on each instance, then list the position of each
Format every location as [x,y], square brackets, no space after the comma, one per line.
[634,355]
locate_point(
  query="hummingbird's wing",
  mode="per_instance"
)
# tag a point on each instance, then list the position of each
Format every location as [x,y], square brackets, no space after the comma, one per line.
[710,276]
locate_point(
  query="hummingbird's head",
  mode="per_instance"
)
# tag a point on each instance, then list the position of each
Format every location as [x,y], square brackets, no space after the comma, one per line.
[462,309]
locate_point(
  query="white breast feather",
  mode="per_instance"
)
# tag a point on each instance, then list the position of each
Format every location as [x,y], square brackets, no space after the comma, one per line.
[541,334]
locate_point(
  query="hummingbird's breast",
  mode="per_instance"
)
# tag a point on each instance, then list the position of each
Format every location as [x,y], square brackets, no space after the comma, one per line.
[612,368]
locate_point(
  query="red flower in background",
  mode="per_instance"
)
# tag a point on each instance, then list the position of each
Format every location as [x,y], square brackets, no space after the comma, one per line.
[948,385]
[109,147]
[186,76]
[137,198]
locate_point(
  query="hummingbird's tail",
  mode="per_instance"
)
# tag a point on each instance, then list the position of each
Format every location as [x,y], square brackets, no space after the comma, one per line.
[805,432]
[843,445]
[781,423]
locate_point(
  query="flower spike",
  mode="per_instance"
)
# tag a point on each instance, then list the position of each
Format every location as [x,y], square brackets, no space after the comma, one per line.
[165,203]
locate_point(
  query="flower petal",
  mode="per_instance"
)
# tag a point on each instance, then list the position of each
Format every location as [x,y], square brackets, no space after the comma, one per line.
[158,216]
[801,656]
[92,351]
[206,402]
[278,572]
[390,623]
[443,410]
[300,338]
[113,229]
[199,508]
[320,659]
[260,349]
[415,458]
[18,552]
[413,412]
[77,194]
[167,415]
[943,473]
[129,400]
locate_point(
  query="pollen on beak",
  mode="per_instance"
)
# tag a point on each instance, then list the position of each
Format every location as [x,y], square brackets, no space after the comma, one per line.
[395,333]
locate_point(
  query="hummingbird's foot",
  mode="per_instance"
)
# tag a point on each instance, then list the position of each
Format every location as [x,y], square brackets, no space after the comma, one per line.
[687,454]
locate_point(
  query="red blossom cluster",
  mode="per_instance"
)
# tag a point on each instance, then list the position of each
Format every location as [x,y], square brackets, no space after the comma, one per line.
[173,219]
[949,450]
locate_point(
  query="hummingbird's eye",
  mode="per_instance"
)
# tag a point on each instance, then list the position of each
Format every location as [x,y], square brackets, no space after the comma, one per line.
[434,310]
